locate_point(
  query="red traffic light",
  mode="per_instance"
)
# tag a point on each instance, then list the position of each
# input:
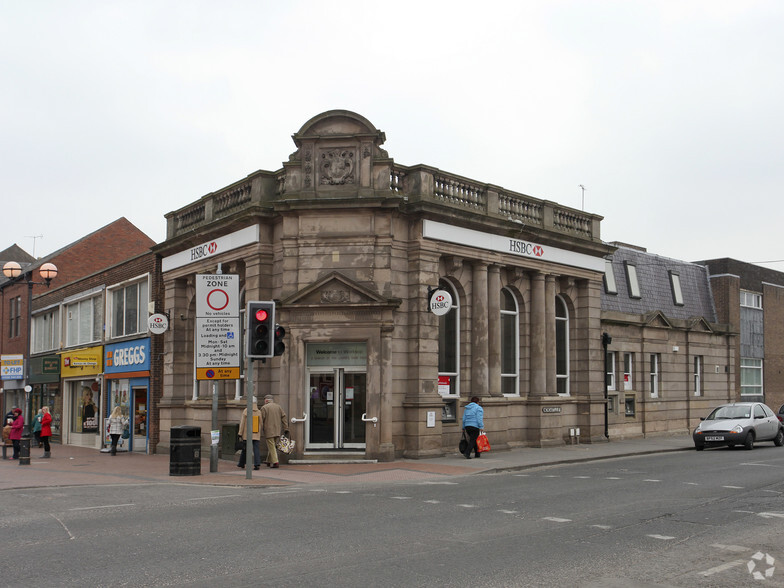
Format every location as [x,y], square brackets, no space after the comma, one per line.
[261,315]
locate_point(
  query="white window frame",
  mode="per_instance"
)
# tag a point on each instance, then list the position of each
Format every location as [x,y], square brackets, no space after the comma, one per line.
[455,375]
[75,302]
[565,320]
[142,312]
[609,278]
[697,375]
[677,291]
[609,376]
[628,370]
[750,299]
[515,321]
[52,334]
[632,280]
[751,365]
[655,375]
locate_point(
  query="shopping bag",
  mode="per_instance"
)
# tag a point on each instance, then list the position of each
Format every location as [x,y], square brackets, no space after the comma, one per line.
[463,445]
[284,444]
[239,444]
[482,444]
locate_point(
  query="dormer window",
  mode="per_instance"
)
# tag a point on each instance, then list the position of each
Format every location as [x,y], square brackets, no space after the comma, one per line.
[677,293]
[631,280]
[609,278]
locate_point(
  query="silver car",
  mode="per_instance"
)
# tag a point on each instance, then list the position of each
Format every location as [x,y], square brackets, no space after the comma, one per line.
[739,423]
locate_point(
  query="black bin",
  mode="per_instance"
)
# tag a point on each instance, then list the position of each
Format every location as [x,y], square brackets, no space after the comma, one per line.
[185,444]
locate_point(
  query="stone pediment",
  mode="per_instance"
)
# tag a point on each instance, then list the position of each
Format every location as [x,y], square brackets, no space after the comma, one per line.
[657,319]
[335,289]
[698,323]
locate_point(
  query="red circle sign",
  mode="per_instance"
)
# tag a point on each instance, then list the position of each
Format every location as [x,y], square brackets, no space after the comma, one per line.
[217,299]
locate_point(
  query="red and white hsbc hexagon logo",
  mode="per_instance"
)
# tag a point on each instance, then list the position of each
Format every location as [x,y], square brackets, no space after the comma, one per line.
[203,250]
[538,251]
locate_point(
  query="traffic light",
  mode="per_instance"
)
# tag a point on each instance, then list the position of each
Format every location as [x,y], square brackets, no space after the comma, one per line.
[260,331]
[279,346]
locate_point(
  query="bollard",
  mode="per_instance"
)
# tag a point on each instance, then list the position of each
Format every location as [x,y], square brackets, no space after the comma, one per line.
[24,451]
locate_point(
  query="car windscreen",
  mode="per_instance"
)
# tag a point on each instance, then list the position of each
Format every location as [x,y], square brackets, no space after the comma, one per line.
[730,412]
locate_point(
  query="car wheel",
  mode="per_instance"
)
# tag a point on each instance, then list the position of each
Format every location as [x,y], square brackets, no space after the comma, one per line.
[779,439]
[748,444]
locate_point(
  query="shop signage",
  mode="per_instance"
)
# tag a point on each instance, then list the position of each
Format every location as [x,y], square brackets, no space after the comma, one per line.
[491,242]
[218,331]
[337,354]
[12,367]
[551,409]
[81,362]
[128,356]
[440,302]
[245,236]
[157,324]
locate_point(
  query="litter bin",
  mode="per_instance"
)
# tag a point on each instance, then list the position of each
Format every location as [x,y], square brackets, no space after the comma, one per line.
[185,445]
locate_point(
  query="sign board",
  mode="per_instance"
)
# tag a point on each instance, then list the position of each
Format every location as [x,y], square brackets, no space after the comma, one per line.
[12,367]
[218,329]
[440,302]
[246,236]
[157,324]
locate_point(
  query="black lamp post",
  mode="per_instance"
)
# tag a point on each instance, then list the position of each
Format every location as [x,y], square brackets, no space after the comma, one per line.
[606,340]
[13,271]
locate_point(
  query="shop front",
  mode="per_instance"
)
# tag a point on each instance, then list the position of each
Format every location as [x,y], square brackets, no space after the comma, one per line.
[45,381]
[127,374]
[81,371]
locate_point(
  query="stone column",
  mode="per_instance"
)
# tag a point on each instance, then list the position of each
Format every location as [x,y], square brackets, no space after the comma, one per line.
[494,330]
[479,381]
[538,336]
[549,329]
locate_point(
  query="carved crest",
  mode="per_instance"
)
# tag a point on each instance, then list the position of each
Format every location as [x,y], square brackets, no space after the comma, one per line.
[337,167]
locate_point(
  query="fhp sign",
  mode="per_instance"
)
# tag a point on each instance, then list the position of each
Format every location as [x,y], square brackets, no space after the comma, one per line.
[440,302]
[12,367]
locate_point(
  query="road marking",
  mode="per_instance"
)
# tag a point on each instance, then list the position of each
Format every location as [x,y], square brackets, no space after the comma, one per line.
[70,535]
[604,527]
[401,497]
[771,515]
[552,476]
[508,511]
[212,497]
[433,501]
[772,491]
[738,548]
[612,478]
[582,477]
[662,537]
[651,480]
[733,487]
[522,475]
[723,567]
[691,483]
[437,483]
[467,505]
[342,491]
[107,506]
[556,520]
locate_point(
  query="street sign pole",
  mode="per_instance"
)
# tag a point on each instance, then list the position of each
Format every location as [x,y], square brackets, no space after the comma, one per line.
[249,459]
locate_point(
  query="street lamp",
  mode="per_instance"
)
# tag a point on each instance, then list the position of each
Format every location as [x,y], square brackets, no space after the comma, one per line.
[13,271]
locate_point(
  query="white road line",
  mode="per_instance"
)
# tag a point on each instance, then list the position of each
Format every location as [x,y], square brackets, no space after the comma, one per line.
[508,511]
[400,497]
[605,527]
[612,478]
[433,501]
[556,520]
[651,480]
[437,483]
[662,537]
[736,548]
[522,475]
[106,506]
[467,505]
[582,477]
[342,491]
[552,476]
[771,515]
[212,497]
[70,535]
[733,487]
[691,483]
[723,567]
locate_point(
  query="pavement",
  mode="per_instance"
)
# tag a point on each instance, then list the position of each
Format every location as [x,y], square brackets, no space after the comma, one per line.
[76,466]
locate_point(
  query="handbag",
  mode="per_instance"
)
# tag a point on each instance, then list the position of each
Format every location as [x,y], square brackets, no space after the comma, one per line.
[284,444]
[463,445]
[126,433]
[239,444]
[482,444]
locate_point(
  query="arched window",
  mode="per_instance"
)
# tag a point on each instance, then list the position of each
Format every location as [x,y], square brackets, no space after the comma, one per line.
[510,344]
[561,347]
[449,346]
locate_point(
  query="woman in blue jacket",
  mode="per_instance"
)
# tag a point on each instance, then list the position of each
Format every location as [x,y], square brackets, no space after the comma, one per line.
[473,423]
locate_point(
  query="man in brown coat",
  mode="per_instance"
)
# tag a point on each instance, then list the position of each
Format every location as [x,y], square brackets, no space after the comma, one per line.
[273,423]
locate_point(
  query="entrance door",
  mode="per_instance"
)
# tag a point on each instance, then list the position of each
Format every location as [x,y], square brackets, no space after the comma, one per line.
[139,437]
[337,402]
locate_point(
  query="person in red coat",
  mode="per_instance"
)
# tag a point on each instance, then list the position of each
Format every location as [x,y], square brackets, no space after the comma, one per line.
[46,431]
[16,431]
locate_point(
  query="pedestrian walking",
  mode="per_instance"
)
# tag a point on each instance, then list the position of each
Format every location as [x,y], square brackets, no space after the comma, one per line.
[16,432]
[116,425]
[46,431]
[255,436]
[37,427]
[273,423]
[7,435]
[473,423]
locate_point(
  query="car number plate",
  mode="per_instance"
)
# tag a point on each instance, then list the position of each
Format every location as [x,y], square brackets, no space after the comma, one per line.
[714,438]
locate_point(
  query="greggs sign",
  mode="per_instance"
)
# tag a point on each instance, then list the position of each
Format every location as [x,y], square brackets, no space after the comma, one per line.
[245,236]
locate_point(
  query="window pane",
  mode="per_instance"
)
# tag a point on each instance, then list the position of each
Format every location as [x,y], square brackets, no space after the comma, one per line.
[609,278]
[634,286]
[97,310]
[508,344]
[131,309]
[118,311]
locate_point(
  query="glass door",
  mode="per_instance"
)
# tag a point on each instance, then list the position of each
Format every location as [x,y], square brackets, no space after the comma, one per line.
[337,400]
[139,423]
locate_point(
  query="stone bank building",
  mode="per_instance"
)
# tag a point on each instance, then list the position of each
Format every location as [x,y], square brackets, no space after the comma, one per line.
[350,244]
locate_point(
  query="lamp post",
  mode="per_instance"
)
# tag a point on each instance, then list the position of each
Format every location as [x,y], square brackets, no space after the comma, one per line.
[13,271]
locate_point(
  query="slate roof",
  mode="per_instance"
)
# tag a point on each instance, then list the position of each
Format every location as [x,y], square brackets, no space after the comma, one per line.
[653,276]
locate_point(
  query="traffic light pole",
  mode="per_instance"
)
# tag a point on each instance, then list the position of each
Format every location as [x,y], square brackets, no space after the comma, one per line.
[214,446]
[249,457]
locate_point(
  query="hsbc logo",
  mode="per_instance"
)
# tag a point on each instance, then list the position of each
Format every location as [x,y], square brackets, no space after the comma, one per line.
[525,248]
[203,250]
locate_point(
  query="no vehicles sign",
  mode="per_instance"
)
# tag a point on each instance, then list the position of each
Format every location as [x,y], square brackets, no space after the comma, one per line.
[218,329]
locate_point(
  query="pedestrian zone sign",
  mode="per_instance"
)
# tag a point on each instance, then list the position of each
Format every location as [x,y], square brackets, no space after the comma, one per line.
[218,328]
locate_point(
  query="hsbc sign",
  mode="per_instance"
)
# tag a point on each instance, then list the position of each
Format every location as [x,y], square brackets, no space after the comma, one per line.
[208,249]
[440,302]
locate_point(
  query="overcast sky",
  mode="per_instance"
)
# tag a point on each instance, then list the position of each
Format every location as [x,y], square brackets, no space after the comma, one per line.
[668,112]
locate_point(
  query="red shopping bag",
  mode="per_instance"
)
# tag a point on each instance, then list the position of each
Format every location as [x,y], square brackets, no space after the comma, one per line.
[482,444]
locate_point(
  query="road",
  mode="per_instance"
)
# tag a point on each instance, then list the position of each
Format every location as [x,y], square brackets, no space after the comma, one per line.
[676,519]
